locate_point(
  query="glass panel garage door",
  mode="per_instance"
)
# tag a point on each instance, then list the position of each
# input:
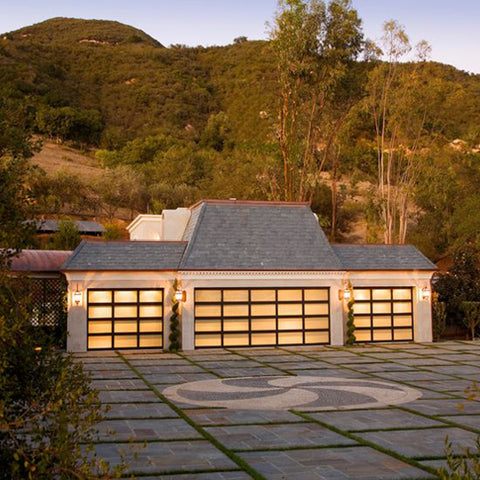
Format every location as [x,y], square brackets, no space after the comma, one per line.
[261,317]
[383,314]
[124,318]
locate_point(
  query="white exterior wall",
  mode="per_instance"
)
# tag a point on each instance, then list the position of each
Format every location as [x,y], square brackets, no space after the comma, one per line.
[422,309]
[146,227]
[174,223]
[77,315]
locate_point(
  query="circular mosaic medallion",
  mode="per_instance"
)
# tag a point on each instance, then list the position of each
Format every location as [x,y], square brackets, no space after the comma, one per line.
[291,392]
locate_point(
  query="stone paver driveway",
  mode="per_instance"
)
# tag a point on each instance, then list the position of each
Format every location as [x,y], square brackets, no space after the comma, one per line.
[366,412]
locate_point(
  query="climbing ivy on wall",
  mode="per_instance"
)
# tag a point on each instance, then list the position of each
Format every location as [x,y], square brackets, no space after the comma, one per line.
[174,336]
[351,339]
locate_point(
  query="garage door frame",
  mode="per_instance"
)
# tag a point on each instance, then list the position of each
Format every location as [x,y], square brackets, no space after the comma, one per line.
[222,317]
[112,319]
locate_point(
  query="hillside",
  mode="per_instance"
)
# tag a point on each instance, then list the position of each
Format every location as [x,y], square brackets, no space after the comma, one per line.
[62,31]
[141,88]
[167,126]
[54,158]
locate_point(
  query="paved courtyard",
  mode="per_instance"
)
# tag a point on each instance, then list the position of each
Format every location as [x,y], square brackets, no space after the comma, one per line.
[366,412]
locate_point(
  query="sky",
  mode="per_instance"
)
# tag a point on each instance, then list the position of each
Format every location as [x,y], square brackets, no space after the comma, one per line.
[450,26]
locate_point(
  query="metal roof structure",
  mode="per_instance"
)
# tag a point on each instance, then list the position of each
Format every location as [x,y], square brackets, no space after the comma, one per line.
[84,227]
[39,260]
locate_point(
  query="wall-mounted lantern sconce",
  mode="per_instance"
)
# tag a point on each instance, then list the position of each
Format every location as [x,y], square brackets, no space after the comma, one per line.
[77,297]
[345,294]
[180,295]
[425,293]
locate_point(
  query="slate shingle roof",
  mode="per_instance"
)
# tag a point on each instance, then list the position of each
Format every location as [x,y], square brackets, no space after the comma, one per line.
[230,235]
[382,257]
[97,256]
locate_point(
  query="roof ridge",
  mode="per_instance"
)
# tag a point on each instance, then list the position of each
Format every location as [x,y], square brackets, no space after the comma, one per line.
[232,202]
[373,245]
[73,255]
[193,237]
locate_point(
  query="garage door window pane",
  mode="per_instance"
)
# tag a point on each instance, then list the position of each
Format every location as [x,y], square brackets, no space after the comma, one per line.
[264,339]
[263,324]
[235,295]
[235,310]
[263,310]
[125,296]
[100,326]
[150,341]
[235,339]
[124,326]
[263,295]
[290,309]
[381,294]
[289,295]
[100,312]
[99,296]
[208,341]
[362,322]
[381,307]
[150,296]
[208,325]
[316,337]
[286,338]
[150,311]
[208,295]
[402,320]
[125,341]
[316,294]
[402,307]
[100,342]
[382,335]
[316,309]
[231,324]
[382,321]
[402,294]
[361,294]
[360,308]
[129,311]
[312,323]
[207,310]
[290,323]
[363,335]
[403,334]
[151,325]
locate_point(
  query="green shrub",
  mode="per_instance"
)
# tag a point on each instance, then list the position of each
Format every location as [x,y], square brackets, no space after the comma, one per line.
[472,316]
[67,237]
[351,339]
[113,232]
[439,311]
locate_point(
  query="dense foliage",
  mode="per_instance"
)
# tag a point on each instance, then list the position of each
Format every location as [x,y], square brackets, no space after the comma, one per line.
[176,124]
[47,406]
